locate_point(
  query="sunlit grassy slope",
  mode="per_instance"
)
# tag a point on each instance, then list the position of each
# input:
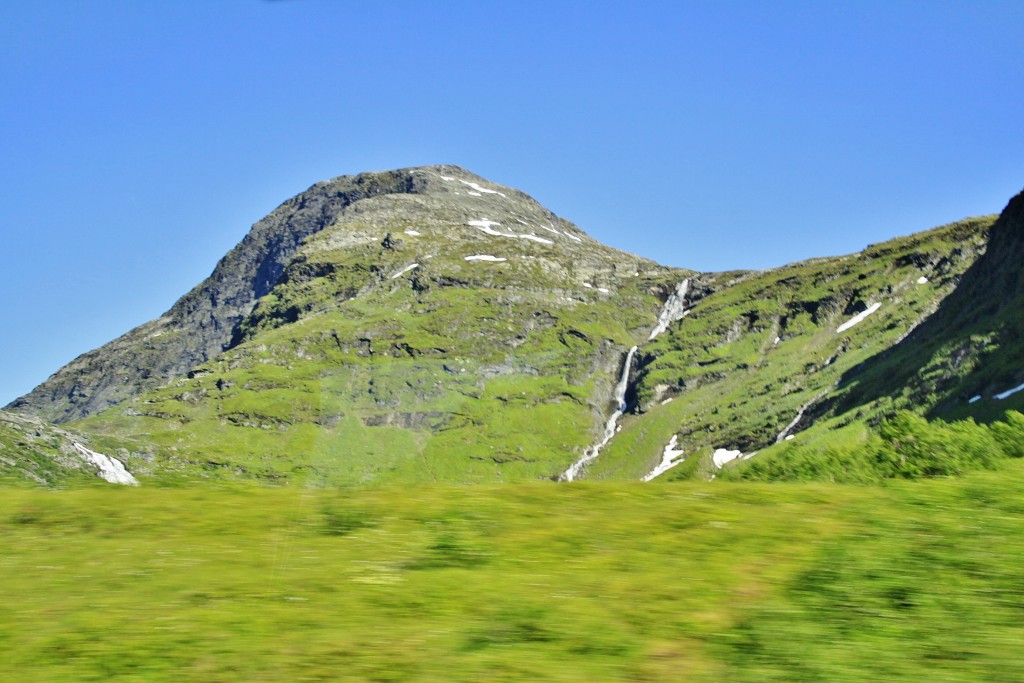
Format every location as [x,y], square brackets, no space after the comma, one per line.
[542,582]
[754,354]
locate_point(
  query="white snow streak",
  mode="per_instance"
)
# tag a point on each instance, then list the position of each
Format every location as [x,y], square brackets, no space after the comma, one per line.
[485,257]
[975,399]
[487,226]
[673,310]
[413,233]
[610,427]
[921,280]
[723,455]
[1009,392]
[670,457]
[111,469]
[405,270]
[478,188]
[858,318]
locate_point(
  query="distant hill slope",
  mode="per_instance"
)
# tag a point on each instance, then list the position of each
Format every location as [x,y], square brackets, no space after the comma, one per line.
[428,325]
[972,346]
[753,358]
[203,322]
[966,361]
[461,332]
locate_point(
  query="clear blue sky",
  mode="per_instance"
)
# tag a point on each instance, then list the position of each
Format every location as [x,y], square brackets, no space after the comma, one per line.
[140,140]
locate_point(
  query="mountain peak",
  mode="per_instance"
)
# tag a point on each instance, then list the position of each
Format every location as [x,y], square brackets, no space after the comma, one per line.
[447,201]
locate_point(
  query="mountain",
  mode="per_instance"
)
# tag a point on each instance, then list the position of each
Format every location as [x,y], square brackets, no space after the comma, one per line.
[439,327]
[205,321]
[428,325]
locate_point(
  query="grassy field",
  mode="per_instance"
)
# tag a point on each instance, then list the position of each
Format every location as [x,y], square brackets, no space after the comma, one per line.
[541,582]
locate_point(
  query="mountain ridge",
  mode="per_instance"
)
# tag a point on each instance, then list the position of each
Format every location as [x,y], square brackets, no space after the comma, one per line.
[203,322]
[426,324]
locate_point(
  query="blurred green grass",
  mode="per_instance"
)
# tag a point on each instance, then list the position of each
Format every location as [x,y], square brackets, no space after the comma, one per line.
[582,582]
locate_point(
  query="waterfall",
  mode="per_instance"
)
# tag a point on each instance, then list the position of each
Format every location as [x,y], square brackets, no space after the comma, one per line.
[673,310]
[799,416]
[110,469]
[610,427]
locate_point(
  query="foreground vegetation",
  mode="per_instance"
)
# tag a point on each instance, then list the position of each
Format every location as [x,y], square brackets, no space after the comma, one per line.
[582,582]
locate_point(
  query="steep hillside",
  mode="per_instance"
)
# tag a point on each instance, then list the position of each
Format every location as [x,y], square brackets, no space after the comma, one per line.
[460,332]
[972,347]
[203,322]
[750,359]
[966,361]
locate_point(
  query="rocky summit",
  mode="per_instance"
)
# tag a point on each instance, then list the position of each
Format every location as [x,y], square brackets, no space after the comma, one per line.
[427,325]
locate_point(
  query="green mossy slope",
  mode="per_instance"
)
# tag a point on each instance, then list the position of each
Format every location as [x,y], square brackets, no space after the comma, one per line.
[766,347]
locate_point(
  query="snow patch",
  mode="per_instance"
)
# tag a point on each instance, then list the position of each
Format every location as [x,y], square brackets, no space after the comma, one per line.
[405,270]
[922,280]
[535,238]
[975,399]
[474,194]
[789,437]
[858,318]
[487,227]
[484,190]
[414,233]
[603,290]
[110,469]
[1009,392]
[485,257]
[724,455]
[670,457]
[588,285]
[777,340]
